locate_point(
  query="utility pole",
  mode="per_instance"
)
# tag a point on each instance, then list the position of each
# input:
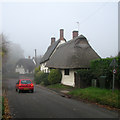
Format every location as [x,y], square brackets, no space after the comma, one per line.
[36,56]
[78,27]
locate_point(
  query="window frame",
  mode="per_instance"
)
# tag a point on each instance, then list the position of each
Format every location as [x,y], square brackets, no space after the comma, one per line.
[66,71]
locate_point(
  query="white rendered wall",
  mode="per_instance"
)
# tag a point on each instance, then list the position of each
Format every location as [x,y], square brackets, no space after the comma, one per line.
[43,68]
[20,70]
[68,79]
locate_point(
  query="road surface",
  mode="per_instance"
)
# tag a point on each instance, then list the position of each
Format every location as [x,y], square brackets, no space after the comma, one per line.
[44,103]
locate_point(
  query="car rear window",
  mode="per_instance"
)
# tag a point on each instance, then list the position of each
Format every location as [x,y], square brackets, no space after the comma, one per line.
[26,82]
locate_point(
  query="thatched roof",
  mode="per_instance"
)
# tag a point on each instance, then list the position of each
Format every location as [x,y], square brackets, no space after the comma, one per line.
[27,64]
[76,53]
[50,50]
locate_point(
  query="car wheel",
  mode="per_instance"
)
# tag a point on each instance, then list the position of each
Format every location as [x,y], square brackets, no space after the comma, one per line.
[32,91]
[19,91]
[16,90]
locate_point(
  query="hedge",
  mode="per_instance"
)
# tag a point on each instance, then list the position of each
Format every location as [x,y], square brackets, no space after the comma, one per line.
[102,67]
[101,71]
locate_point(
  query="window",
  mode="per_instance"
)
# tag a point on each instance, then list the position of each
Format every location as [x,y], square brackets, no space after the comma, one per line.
[25,82]
[66,72]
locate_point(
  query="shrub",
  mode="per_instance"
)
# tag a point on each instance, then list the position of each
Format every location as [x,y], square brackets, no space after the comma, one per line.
[37,77]
[85,76]
[44,79]
[54,76]
[41,78]
[37,70]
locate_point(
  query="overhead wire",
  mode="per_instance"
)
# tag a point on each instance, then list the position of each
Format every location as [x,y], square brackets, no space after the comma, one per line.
[94,13]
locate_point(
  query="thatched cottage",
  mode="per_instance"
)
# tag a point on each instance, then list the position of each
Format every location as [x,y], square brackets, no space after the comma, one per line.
[25,66]
[51,49]
[72,55]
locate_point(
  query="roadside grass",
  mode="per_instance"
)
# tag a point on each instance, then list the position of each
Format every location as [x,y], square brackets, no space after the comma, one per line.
[3,107]
[101,96]
[59,86]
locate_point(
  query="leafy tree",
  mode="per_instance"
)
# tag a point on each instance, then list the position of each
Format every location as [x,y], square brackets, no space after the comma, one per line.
[15,52]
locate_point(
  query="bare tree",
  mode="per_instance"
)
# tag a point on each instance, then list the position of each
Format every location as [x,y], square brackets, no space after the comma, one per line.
[15,52]
[10,52]
[3,45]
[3,50]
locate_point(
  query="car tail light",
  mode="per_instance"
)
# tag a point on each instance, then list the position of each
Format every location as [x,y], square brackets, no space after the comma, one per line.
[19,85]
[32,85]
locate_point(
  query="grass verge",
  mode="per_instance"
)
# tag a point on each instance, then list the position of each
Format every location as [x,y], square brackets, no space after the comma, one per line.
[59,86]
[3,107]
[101,96]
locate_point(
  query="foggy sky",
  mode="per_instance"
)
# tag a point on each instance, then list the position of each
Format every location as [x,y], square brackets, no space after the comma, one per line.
[33,24]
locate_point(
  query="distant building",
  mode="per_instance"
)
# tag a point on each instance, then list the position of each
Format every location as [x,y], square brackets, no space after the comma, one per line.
[51,50]
[25,66]
[72,55]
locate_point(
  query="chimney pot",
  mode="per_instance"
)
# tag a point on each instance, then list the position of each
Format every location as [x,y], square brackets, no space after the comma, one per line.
[75,34]
[52,40]
[61,34]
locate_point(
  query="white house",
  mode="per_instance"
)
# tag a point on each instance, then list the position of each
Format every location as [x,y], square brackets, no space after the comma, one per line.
[25,66]
[51,50]
[72,55]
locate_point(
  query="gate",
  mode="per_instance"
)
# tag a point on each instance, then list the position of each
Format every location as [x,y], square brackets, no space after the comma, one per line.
[77,80]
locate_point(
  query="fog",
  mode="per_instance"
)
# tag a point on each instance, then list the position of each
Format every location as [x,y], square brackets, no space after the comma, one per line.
[14,53]
[32,25]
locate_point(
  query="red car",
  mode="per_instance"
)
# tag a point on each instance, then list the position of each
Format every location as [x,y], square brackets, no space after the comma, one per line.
[24,85]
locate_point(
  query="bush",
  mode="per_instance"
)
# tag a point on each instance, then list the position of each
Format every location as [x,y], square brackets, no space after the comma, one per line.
[41,78]
[44,79]
[37,77]
[36,70]
[54,76]
[85,76]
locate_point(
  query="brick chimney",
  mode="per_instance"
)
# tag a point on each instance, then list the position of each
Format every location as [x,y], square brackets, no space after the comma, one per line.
[75,34]
[52,40]
[61,34]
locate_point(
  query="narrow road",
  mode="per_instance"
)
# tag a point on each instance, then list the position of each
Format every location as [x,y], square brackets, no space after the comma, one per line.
[44,103]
